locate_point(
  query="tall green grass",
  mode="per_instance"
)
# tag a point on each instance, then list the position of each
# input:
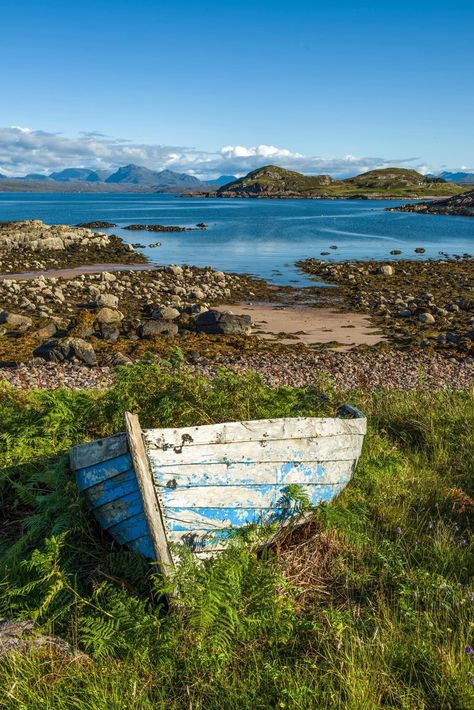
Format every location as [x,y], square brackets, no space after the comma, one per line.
[370,607]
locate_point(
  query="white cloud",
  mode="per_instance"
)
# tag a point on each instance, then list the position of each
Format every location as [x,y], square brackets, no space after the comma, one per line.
[24,150]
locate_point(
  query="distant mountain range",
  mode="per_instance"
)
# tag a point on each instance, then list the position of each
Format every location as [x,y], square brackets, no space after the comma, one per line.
[459,178]
[135,178]
[268,181]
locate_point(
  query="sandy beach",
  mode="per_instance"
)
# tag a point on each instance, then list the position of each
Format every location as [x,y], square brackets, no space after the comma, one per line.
[311,326]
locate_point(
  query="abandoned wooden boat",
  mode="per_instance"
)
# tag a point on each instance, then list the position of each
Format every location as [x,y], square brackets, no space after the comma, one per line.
[158,489]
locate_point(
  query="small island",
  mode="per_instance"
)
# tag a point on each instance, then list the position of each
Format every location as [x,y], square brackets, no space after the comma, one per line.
[274,182]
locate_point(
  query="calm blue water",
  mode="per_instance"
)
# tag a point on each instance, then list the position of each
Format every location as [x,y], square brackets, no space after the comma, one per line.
[260,237]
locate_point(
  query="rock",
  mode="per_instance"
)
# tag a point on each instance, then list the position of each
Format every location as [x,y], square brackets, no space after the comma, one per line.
[386,270]
[109,331]
[108,300]
[97,224]
[426,318]
[118,360]
[47,331]
[15,319]
[404,313]
[166,313]
[223,323]
[66,349]
[395,251]
[24,637]
[107,276]
[196,294]
[419,250]
[108,315]
[152,328]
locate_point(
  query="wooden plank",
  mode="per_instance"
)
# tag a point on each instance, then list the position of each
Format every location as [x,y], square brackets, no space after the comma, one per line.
[100,473]
[265,496]
[197,519]
[269,429]
[151,505]
[94,452]
[332,448]
[237,474]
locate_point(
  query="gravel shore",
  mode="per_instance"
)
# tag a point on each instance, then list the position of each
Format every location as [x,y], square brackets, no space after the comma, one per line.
[353,369]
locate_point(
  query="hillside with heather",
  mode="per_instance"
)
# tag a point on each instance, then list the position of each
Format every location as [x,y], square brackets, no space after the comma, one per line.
[276,182]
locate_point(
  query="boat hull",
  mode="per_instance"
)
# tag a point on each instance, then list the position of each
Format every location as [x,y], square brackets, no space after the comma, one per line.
[208,481]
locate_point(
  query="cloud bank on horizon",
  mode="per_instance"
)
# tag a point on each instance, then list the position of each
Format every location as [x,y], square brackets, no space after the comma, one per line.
[26,150]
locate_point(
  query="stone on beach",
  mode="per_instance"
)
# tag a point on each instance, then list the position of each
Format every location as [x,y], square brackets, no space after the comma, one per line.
[426,318]
[386,270]
[67,349]
[15,319]
[223,323]
[108,315]
[152,328]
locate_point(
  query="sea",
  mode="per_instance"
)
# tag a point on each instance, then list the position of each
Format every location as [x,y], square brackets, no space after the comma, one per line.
[263,238]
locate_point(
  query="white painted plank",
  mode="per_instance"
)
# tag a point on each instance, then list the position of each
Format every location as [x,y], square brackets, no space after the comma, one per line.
[270,429]
[221,474]
[198,519]
[267,496]
[330,448]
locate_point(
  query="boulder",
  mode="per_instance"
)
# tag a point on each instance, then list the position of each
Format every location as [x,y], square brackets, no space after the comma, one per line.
[15,319]
[108,300]
[66,349]
[223,323]
[108,315]
[166,313]
[109,331]
[152,328]
[24,636]
[196,294]
[426,318]
[118,359]
[47,331]
[386,270]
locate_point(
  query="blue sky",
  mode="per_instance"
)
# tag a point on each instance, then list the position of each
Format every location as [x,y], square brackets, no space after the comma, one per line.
[313,83]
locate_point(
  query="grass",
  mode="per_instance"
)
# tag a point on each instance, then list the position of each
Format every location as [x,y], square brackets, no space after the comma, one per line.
[369,606]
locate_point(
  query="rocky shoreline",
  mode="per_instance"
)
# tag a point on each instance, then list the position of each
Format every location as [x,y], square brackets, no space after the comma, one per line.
[425,304]
[73,328]
[35,246]
[459,205]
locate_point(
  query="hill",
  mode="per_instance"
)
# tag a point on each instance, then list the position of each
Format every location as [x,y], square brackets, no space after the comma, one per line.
[461,205]
[273,181]
[394,178]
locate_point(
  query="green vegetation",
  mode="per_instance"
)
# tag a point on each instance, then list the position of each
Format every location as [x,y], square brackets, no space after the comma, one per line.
[369,606]
[273,181]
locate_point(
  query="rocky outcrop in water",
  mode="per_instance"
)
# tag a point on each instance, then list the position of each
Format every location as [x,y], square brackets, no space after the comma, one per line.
[460,205]
[32,245]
